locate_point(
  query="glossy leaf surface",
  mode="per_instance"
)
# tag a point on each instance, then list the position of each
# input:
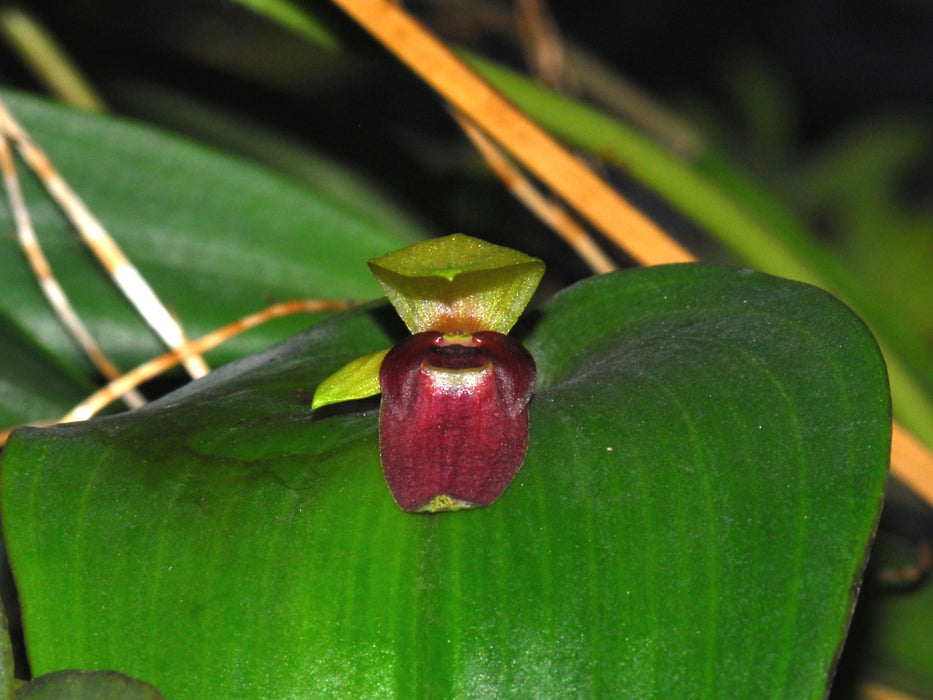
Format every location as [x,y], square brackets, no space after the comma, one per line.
[707,453]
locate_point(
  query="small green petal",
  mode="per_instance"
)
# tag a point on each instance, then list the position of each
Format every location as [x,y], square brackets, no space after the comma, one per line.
[356,380]
[458,283]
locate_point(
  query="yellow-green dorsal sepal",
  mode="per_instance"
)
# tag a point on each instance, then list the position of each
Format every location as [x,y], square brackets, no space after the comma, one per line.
[357,380]
[458,283]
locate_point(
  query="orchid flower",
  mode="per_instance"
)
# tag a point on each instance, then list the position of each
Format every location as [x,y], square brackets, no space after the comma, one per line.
[453,424]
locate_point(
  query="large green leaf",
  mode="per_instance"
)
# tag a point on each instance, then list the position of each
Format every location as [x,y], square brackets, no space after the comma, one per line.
[706,463]
[216,236]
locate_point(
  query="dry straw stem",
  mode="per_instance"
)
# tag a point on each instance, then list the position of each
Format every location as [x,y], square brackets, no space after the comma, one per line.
[95,237]
[49,285]
[912,463]
[580,188]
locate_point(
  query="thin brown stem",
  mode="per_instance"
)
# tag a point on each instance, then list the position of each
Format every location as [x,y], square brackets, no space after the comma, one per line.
[115,389]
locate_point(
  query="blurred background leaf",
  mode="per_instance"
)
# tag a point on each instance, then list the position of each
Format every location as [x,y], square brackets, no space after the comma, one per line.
[218,238]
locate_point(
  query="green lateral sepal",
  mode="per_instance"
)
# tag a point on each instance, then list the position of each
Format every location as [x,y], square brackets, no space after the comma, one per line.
[358,379]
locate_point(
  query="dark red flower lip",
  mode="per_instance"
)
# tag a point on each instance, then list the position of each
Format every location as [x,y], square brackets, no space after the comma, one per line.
[453,427]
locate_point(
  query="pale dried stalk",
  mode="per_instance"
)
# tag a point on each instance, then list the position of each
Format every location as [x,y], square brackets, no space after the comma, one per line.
[105,249]
[113,391]
[49,285]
